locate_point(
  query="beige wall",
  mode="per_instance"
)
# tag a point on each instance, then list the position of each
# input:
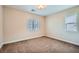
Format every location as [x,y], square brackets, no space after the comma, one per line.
[56,27]
[15,25]
[1,27]
[53,26]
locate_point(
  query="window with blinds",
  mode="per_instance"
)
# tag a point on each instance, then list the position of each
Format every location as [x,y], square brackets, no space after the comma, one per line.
[33,25]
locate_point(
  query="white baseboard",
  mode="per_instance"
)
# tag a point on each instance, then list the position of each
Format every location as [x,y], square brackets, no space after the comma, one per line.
[61,39]
[22,39]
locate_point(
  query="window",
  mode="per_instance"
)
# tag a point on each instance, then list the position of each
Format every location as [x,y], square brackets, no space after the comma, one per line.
[71,23]
[33,25]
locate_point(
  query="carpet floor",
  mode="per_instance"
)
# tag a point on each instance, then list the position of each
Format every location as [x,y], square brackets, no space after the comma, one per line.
[40,45]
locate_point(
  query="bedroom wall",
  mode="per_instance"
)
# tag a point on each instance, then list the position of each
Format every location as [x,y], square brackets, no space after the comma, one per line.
[15,25]
[53,26]
[1,26]
[56,27]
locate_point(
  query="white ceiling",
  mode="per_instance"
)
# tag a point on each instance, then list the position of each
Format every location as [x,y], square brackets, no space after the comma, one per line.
[50,9]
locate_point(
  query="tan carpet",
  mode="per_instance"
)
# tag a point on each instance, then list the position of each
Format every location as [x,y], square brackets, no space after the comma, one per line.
[40,45]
